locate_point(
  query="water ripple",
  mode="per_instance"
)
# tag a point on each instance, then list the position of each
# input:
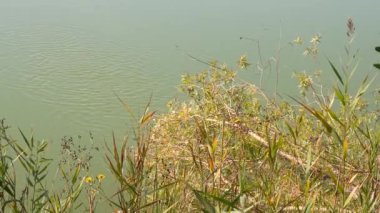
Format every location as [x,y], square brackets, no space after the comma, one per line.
[74,72]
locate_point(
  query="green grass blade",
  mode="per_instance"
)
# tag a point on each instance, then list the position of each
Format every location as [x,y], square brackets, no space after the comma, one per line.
[127,187]
[308,207]
[231,205]
[44,169]
[207,207]
[42,147]
[316,114]
[7,189]
[340,96]
[75,176]
[163,187]
[25,140]
[336,72]
[40,179]
[291,131]
[334,116]
[335,179]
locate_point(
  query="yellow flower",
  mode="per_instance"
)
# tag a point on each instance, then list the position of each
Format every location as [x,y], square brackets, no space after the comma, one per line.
[100,177]
[88,179]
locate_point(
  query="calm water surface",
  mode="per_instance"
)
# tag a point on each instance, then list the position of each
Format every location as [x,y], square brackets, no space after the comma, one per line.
[64,62]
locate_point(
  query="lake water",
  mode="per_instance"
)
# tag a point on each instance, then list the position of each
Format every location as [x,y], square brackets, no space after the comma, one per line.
[63,63]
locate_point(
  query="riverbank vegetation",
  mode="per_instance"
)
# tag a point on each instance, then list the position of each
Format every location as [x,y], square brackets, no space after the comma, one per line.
[228,147]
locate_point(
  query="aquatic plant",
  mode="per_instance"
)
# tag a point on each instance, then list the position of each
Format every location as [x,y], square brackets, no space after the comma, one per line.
[72,175]
[34,163]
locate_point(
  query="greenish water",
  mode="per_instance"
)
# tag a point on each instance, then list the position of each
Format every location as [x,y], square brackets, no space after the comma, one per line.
[62,63]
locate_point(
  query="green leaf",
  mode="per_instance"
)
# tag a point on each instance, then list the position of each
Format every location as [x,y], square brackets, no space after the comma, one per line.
[44,194]
[19,150]
[362,89]
[334,116]
[308,207]
[163,187]
[202,129]
[115,152]
[43,169]
[377,66]
[340,96]
[336,72]
[207,207]
[25,140]
[42,147]
[231,205]
[339,187]
[291,131]
[44,160]
[316,114]
[39,179]
[30,183]
[26,164]
[377,49]
[75,176]
[129,187]
[8,190]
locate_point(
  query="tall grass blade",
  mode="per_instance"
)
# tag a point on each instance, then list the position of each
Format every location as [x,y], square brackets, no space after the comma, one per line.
[25,140]
[291,131]
[327,126]
[335,180]
[75,176]
[42,147]
[170,207]
[126,107]
[334,116]
[340,96]
[336,72]
[231,205]
[207,207]
[146,118]
[350,196]
[7,189]
[308,207]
